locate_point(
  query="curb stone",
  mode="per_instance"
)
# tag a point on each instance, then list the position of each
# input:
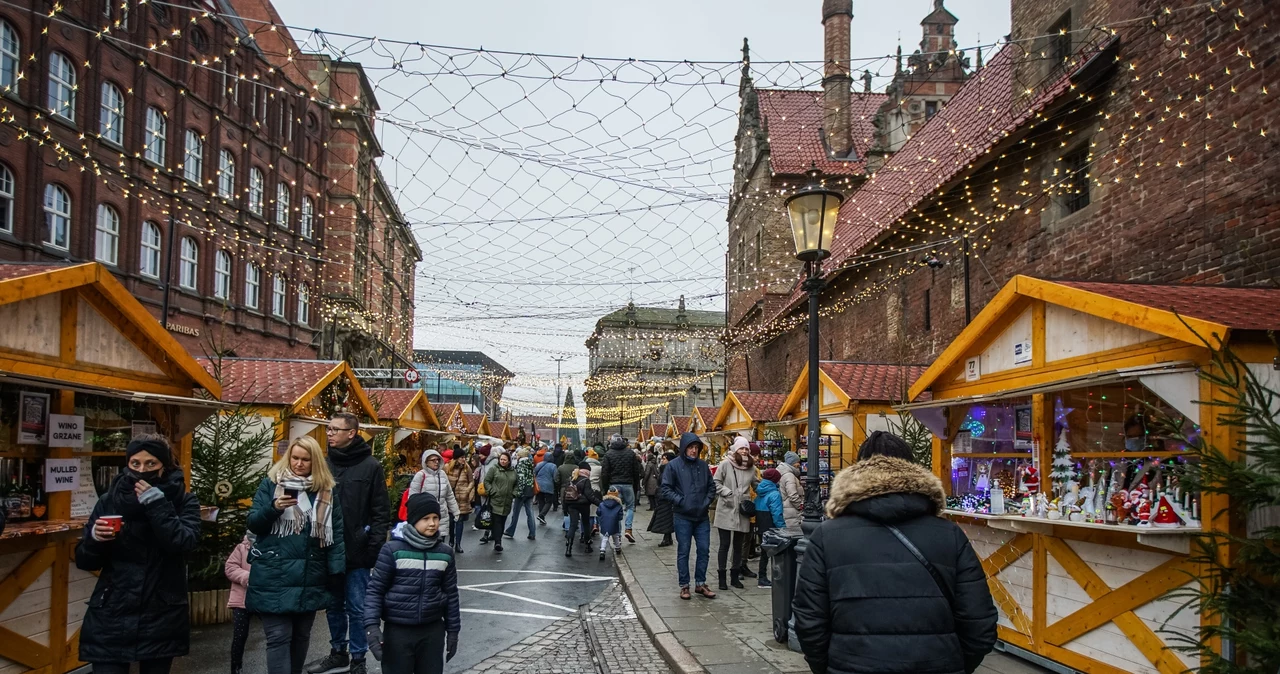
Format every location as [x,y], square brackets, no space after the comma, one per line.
[676,655]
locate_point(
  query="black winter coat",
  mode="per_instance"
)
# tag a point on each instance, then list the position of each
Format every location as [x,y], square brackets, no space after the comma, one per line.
[864,604]
[620,466]
[138,609]
[362,490]
[663,520]
[410,586]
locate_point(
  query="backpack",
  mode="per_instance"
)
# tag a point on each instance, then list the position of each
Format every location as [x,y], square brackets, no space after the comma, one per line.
[571,493]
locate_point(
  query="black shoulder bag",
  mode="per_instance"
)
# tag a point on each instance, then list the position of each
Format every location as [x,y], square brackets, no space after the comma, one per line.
[933,571]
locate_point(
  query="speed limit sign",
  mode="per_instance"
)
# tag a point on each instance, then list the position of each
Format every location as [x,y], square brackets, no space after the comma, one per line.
[411,375]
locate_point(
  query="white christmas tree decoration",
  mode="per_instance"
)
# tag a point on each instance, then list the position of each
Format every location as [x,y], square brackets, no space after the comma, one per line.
[1064,469]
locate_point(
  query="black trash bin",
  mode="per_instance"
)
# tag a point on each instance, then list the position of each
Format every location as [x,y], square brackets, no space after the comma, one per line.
[780,545]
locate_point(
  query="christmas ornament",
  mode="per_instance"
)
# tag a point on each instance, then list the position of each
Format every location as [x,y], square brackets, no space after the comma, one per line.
[1165,517]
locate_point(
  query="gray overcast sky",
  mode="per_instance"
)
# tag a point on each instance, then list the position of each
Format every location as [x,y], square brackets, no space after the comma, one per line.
[507,180]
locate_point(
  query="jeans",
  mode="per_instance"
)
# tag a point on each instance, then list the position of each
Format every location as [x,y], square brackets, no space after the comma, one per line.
[735,540]
[288,639]
[413,649]
[160,666]
[516,505]
[459,528]
[352,617]
[700,532]
[628,494]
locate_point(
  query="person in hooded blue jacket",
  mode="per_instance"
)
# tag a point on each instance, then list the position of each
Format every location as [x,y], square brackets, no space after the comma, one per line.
[688,485]
[768,515]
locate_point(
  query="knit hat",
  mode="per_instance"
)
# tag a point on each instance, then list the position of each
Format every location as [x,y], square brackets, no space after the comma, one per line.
[613,489]
[772,475]
[584,466]
[740,443]
[791,458]
[419,506]
[157,448]
[522,453]
[484,450]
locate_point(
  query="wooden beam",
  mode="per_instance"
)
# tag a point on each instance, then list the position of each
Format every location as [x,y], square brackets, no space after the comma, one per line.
[1008,553]
[22,650]
[1000,594]
[58,605]
[1039,590]
[35,365]
[70,315]
[25,574]
[1038,340]
[36,285]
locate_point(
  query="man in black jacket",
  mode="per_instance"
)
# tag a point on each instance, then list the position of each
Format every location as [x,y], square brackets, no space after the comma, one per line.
[864,602]
[620,467]
[362,495]
[688,486]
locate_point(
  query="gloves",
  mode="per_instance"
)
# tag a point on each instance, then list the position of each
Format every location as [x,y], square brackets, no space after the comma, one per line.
[451,646]
[373,634]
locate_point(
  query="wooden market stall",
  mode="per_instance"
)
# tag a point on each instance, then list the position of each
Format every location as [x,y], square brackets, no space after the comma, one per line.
[703,420]
[450,417]
[83,368]
[1068,378]
[680,424]
[295,397]
[473,425]
[745,413]
[856,399]
[658,431]
[501,429]
[413,422]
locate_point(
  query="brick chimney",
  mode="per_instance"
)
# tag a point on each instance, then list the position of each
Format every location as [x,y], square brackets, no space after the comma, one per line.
[837,80]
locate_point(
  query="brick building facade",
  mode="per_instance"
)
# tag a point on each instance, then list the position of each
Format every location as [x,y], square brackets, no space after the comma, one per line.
[1134,153]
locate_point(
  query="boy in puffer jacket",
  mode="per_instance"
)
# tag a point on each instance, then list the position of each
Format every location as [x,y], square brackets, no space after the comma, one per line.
[609,517]
[414,588]
[768,515]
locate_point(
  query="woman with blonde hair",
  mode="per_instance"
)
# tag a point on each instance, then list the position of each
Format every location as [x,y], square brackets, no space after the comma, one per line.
[299,559]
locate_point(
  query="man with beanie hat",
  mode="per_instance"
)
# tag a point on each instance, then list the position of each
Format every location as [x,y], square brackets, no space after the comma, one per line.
[792,490]
[621,468]
[414,588]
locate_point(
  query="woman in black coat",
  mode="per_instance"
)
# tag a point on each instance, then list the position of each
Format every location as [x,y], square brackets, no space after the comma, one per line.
[138,610]
[663,520]
[864,602]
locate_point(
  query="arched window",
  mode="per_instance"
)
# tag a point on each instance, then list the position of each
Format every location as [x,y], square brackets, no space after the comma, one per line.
[222,275]
[149,264]
[62,87]
[278,289]
[9,46]
[6,200]
[57,216]
[252,285]
[282,204]
[188,263]
[256,190]
[154,150]
[107,237]
[304,304]
[305,226]
[111,114]
[193,157]
[226,175]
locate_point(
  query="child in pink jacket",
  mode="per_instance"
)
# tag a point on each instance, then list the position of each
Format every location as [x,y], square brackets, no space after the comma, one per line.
[237,570]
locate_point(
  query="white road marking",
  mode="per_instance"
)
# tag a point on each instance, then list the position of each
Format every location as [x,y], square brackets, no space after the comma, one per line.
[540,582]
[516,596]
[541,573]
[513,614]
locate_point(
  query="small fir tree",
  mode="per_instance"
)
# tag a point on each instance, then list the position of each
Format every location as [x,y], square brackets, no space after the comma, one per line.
[1064,469]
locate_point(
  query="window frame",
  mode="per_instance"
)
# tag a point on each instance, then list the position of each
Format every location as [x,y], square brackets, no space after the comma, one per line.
[283,197]
[155,142]
[52,216]
[257,191]
[150,251]
[306,220]
[58,85]
[252,279]
[10,61]
[103,235]
[107,130]
[188,156]
[303,311]
[279,295]
[7,197]
[191,263]
[1075,175]
[222,275]
[226,175]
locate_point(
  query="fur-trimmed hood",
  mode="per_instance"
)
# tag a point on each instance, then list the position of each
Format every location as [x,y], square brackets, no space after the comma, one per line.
[882,476]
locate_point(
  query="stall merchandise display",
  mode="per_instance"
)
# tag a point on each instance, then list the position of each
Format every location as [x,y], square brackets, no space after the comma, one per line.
[828,446]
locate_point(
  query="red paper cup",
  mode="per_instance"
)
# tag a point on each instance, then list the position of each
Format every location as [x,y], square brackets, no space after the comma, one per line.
[114,521]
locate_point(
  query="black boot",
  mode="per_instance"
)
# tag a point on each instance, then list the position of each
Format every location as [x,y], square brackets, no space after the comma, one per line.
[568,548]
[746,573]
[736,578]
[723,585]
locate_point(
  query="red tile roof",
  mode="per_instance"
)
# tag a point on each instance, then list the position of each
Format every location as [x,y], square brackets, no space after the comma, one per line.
[872,381]
[761,406]
[391,402]
[708,414]
[265,381]
[472,422]
[497,428]
[794,120]
[1236,308]
[659,430]
[444,410]
[682,423]
[8,271]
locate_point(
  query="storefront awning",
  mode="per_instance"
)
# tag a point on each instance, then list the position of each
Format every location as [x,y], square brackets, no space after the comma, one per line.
[191,411]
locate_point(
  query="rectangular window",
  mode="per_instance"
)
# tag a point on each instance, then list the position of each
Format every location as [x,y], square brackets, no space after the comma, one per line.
[278,286]
[111,123]
[222,275]
[8,56]
[188,263]
[930,109]
[1076,179]
[282,204]
[193,162]
[226,175]
[252,285]
[6,200]
[107,235]
[149,265]
[256,191]
[1060,41]
[154,150]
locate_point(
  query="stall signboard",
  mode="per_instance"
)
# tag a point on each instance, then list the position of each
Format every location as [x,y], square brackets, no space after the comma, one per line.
[33,420]
[61,475]
[973,369]
[85,496]
[1022,353]
[66,430]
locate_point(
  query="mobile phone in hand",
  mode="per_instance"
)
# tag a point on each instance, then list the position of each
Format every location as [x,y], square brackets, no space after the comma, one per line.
[291,493]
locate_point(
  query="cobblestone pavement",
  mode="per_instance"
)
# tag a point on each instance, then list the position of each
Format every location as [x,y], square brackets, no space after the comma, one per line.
[604,638]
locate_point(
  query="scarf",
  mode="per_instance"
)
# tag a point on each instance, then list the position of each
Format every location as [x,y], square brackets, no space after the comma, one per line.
[170,483]
[317,513]
[417,540]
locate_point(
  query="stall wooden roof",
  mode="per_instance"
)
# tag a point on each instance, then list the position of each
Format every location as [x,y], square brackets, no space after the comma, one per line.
[747,408]
[704,419]
[1185,314]
[501,429]
[658,430]
[646,434]
[681,424]
[408,407]
[476,424]
[450,416]
[283,382]
[845,383]
[78,323]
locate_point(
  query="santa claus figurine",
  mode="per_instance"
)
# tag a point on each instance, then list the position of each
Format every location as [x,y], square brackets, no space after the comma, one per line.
[1144,512]
[1030,481]
[1166,517]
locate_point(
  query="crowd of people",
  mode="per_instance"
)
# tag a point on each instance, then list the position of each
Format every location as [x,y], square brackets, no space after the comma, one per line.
[321,537]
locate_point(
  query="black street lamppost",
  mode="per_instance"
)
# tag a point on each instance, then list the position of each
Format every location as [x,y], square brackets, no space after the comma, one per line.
[813,210]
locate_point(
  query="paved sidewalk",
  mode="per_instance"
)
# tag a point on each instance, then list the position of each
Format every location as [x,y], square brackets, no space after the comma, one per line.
[731,633]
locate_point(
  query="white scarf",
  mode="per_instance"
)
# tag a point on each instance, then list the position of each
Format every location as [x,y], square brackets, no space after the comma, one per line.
[316,508]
